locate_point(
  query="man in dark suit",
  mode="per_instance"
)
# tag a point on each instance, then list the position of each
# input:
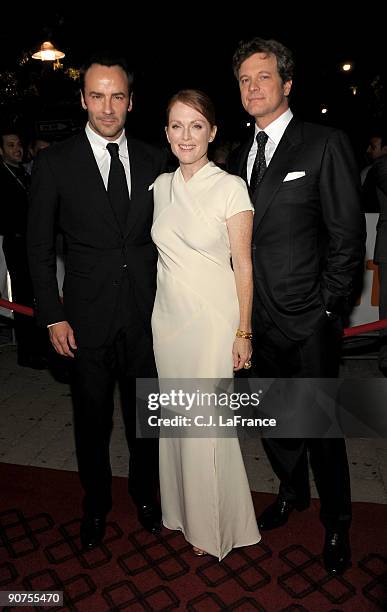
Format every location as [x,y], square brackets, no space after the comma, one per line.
[96,188]
[308,244]
[14,184]
[378,177]
[370,193]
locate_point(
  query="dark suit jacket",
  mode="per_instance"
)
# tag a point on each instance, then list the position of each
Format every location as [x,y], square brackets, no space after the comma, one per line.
[369,193]
[309,233]
[13,204]
[68,193]
[379,178]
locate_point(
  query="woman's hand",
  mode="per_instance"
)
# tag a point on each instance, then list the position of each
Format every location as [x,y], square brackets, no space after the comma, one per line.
[241,353]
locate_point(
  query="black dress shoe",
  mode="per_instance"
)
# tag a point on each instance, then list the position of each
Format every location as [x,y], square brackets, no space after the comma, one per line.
[337,552]
[149,516]
[92,531]
[275,515]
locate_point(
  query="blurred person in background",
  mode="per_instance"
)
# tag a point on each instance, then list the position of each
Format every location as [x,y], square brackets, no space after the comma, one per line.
[31,341]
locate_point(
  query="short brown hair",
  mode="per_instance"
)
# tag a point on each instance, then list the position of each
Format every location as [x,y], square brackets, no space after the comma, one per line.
[284,56]
[196,99]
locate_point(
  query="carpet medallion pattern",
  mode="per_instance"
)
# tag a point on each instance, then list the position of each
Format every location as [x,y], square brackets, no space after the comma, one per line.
[132,570]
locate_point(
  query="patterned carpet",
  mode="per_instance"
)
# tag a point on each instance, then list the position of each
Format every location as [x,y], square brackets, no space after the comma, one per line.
[132,570]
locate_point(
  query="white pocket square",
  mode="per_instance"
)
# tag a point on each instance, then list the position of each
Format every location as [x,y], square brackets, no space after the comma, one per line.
[291,176]
[151,186]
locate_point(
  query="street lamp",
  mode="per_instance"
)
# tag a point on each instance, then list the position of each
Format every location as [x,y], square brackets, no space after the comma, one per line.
[346,67]
[48,53]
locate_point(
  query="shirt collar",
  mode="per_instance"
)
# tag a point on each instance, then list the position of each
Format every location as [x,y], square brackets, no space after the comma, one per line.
[276,128]
[99,143]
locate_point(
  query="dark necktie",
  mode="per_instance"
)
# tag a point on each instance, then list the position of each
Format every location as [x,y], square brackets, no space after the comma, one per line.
[117,188]
[259,166]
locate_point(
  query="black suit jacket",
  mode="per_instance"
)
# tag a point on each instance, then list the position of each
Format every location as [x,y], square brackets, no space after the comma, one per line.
[378,176]
[13,204]
[309,233]
[68,193]
[369,193]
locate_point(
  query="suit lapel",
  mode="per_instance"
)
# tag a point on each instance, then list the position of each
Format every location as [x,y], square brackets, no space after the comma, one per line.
[241,170]
[139,184]
[279,165]
[92,181]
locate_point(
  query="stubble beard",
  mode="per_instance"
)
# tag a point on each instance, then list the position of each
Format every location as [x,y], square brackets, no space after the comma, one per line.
[109,133]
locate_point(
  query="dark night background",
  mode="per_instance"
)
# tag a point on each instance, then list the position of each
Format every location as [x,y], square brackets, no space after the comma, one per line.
[189,47]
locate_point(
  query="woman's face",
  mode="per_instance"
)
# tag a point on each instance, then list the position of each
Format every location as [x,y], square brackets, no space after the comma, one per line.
[189,133]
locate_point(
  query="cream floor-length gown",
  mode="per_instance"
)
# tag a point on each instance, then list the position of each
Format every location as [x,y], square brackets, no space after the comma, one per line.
[204,488]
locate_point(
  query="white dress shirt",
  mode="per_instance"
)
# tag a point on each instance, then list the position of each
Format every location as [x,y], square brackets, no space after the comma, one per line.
[102,155]
[275,131]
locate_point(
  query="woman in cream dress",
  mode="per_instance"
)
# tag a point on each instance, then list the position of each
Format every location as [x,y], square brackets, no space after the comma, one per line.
[202,217]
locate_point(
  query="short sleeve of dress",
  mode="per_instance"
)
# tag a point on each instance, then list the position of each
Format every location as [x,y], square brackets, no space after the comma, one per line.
[238,199]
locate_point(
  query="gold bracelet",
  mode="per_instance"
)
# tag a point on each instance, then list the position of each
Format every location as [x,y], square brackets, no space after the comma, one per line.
[243,334]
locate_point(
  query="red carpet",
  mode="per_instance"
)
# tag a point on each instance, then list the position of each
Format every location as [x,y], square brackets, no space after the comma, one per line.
[39,550]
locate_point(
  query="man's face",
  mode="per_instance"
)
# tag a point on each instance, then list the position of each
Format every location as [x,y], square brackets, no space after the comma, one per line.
[39,145]
[106,99]
[263,94]
[374,149]
[11,149]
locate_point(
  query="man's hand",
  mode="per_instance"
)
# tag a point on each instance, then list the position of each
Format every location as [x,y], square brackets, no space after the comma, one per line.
[62,338]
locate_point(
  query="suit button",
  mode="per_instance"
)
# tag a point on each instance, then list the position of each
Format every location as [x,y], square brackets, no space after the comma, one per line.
[253,247]
[125,265]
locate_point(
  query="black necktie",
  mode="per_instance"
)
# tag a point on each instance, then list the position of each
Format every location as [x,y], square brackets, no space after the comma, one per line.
[117,185]
[259,162]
